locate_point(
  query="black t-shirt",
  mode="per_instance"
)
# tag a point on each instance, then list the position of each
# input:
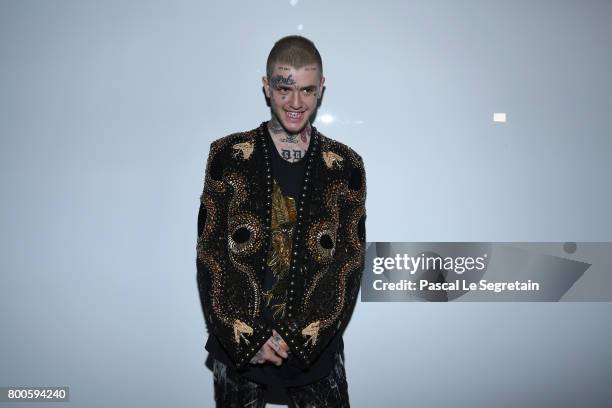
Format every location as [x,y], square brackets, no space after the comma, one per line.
[288,177]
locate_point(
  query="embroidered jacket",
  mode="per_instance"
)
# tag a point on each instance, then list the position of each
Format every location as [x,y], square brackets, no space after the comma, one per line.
[234,238]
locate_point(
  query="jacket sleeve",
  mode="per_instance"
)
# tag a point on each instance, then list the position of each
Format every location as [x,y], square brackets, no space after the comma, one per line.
[224,295]
[334,297]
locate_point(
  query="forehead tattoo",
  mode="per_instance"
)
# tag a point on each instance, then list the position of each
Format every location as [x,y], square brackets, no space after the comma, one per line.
[281,80]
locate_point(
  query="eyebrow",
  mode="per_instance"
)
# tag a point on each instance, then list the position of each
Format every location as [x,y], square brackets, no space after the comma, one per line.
[307,87]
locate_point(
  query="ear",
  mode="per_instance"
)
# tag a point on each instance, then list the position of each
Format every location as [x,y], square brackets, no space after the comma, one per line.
[321,86]
[266,86]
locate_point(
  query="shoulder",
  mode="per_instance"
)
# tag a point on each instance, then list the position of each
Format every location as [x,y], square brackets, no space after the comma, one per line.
[338,148]
[337,153]
[225,150]
[233,139]
[238,144]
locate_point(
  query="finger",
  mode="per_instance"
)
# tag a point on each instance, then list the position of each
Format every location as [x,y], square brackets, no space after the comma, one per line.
[278,350]
[257,358]
[280,341]
[284,346]
[271,356]
[276,346]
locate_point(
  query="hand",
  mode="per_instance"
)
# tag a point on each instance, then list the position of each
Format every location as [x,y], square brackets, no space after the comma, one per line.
[274,350]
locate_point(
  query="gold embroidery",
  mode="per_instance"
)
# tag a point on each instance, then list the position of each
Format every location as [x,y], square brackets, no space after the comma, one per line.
[218,307]
[352,265]
[284,215]
[332,159]
[246,148]
[240,329]
[229,194]
[236,218]
[321,241]
[343,273]
[311,331]
[244,234]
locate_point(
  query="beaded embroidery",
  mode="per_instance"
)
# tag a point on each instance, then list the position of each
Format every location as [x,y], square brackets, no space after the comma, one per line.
[284,215]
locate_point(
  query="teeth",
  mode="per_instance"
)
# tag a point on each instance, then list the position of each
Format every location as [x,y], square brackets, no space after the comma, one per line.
[294,115]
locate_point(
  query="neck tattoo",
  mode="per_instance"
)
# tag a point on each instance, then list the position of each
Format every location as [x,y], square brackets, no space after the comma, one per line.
[274,126]
[291,146]
[291,138]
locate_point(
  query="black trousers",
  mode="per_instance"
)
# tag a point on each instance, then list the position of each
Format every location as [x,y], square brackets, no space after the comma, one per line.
[234,391]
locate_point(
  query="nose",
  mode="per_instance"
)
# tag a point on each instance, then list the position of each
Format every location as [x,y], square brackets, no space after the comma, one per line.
[296,100]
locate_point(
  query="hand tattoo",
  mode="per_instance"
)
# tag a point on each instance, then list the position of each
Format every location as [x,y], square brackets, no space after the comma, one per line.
[258,357]
[276,339]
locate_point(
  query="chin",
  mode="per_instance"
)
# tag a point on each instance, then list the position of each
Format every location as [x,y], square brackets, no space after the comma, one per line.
[294,127]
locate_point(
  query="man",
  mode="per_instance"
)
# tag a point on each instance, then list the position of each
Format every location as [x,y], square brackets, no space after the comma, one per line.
[281,242]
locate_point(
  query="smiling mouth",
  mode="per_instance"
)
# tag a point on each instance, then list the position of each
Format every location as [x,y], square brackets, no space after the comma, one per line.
[294,116]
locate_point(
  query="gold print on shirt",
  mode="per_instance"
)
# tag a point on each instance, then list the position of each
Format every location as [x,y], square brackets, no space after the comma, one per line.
[284,216]
[243,149]
[240,329]
[311,331]
[332,159]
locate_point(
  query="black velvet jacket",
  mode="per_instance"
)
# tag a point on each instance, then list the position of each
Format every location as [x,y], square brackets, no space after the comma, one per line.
[234,228]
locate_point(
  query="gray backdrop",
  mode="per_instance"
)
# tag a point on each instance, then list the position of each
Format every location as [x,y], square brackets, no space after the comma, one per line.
[107,109]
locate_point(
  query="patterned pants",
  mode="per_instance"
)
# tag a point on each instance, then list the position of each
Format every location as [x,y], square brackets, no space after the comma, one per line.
[234,391]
